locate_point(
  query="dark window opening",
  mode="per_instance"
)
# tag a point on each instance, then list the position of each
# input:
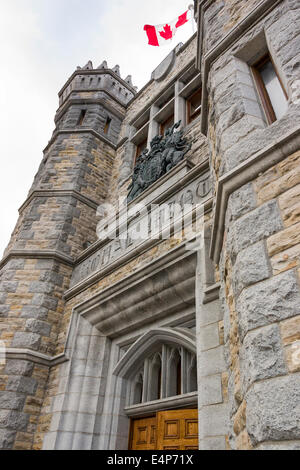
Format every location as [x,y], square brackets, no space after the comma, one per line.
[159,383]
[167,124]
[194,106]
[193,385]
[140,149]
[81,117]
[179,388]
[155,374]
[107,125]
[270,89]
[138,391]
[174,382]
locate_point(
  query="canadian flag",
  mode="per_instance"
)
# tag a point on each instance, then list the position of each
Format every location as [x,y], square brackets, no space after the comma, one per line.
[163,34]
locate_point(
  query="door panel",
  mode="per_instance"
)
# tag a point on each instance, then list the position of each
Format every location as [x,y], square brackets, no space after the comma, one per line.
[177,430]
[143,434]
[168,430]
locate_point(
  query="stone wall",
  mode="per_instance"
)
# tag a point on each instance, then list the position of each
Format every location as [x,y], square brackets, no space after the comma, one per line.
[258,267]
[221,16]
[39,227]
[31,308]
[237,126]
[261,294]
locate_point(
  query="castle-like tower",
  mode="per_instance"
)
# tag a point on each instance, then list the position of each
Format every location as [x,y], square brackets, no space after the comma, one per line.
[56,223]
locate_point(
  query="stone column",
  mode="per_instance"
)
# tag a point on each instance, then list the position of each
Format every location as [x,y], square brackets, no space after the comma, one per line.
[180,105]
[212,368]
[153,125]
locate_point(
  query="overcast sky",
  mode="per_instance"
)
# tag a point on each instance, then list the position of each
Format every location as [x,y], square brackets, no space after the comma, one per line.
[41,44]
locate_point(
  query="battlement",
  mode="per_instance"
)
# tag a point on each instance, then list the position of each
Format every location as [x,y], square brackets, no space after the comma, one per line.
[95,80]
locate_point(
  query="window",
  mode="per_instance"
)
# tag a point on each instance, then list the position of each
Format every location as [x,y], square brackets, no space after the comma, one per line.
[194,106]
[169,372]
[140,148]
[138,389]
[107,125]
[174,374]
[167,124]
[271,91]
[81,117]
[178,378]
[155,378]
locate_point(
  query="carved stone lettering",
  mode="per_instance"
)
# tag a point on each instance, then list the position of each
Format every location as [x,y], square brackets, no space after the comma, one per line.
[132,236]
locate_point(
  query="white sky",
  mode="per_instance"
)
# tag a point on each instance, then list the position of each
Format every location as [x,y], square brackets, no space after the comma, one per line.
[41,44]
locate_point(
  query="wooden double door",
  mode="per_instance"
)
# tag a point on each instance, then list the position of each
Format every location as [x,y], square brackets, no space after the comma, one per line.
[167,430]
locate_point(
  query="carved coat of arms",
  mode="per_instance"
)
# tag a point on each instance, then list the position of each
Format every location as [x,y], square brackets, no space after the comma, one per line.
[165,153]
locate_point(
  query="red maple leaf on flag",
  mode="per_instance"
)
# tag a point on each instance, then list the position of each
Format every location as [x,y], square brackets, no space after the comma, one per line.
[167,33]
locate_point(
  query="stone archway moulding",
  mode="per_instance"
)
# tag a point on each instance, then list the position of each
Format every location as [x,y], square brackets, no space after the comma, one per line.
[144,345]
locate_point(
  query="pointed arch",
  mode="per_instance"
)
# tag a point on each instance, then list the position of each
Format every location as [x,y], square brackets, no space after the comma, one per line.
[144,346]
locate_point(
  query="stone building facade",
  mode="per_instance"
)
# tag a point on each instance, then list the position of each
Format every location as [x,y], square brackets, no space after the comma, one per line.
[104,335]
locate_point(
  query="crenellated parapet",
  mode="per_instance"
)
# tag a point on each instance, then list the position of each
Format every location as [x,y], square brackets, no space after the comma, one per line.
[97,80]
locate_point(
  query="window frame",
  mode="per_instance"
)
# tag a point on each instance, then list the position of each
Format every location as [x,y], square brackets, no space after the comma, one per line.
[82,117]
[261,88]
[162,126]
[159,383]
[107,125]
[192,116]
[139,149]
[171,102]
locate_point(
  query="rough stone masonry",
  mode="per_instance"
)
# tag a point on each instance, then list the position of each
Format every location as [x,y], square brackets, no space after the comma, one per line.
[74,346]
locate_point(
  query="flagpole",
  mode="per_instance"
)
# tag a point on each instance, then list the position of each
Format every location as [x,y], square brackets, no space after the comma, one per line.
[191,8]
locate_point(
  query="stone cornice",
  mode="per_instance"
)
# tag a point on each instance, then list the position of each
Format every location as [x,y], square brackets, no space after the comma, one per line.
[169,278]
[122,142]
[58,193]
[189,177]
[211,293]
[242,174]
[131,279]
[83,101]
[119,263]
[181,401]
[35,357]
[255,16]
[38,254]
[86,130]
